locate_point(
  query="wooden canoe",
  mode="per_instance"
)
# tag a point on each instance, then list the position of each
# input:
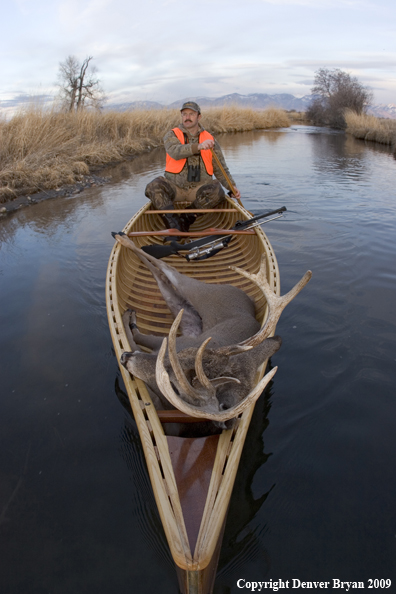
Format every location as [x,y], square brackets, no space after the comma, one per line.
[192,478]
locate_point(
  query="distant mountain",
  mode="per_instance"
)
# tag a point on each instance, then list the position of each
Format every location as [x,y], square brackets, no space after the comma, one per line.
[383,111]
[134,105]
[254,100]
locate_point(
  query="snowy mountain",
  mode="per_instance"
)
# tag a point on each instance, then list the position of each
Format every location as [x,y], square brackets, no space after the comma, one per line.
[383,111]
[254,100]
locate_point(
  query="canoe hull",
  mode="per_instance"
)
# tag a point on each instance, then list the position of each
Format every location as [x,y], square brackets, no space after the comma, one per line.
[175,464]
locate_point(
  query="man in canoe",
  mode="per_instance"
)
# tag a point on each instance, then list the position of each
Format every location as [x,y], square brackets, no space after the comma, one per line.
[189,171]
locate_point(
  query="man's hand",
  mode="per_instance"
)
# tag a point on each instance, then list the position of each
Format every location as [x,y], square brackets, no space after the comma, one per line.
[236,194]
[206,144]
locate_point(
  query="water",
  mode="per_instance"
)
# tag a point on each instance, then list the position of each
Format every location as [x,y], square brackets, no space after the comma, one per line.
[314,498]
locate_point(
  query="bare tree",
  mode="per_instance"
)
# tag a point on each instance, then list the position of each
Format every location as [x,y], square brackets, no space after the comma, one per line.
[79,85]
[333,92]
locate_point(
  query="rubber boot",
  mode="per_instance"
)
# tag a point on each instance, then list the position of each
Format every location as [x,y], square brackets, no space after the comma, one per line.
[187,220]
[172,222]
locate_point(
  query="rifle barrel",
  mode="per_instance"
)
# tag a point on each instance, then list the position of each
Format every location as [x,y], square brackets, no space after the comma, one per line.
[258,217]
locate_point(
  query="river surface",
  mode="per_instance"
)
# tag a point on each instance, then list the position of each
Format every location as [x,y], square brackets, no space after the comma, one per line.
[315,497]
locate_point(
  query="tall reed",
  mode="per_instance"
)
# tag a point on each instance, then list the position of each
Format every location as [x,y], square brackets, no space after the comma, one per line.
[42,150]
[369,127]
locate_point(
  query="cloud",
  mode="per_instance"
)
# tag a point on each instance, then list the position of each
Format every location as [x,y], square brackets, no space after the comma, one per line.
[23,99]
[324,4]
[157,48]
[375,63]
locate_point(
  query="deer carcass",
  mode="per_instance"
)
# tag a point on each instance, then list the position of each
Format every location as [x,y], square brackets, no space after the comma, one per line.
[210,370]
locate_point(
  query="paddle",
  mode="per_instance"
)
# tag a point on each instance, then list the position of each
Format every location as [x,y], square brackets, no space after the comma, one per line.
[216,158]
[207,246]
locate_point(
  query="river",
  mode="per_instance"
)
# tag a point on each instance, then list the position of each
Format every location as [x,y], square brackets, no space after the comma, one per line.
[315,495]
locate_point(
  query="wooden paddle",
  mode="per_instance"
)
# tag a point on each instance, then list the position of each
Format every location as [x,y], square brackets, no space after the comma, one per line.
[216,158]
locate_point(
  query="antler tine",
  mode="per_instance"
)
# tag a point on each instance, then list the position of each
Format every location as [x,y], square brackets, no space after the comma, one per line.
[184,384]
[163,380]
[275,304]
[204,380]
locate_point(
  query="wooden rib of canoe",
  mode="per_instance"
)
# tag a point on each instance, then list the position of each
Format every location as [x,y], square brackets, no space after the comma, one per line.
[192,478]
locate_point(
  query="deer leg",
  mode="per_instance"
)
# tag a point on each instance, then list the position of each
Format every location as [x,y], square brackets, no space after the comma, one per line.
[137,338]
[127,322]
[147,340]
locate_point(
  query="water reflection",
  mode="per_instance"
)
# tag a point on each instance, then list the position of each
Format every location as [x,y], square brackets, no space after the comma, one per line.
[244,539]
[336,156]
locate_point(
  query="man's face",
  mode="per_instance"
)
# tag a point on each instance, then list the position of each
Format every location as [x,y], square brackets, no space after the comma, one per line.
[190,118]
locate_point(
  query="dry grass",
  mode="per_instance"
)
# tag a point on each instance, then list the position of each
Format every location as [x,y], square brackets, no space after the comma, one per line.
[371,128]
[297,117]
[41,150]
[236,119]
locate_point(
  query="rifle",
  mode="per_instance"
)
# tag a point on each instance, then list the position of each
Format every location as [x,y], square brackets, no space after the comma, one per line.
[204,248]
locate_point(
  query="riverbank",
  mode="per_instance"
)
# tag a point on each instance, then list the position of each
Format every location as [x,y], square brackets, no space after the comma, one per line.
[42,153]
[66,191]
[366,127]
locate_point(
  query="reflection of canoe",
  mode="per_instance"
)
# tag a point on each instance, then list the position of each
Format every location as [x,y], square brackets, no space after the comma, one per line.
[192,478]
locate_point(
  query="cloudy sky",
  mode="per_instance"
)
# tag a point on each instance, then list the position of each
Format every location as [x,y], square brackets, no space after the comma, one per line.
[163,50]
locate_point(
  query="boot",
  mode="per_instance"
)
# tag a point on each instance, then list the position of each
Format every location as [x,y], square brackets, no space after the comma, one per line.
[187,220]
[181,222]
[172,222]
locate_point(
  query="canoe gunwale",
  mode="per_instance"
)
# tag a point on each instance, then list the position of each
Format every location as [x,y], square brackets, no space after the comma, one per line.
[154,440]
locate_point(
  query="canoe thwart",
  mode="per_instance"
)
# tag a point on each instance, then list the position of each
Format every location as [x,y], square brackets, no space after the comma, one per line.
[204,233]
[189,210]
[177,416]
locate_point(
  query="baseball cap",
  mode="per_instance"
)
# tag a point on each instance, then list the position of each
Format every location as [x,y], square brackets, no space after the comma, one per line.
[191,105]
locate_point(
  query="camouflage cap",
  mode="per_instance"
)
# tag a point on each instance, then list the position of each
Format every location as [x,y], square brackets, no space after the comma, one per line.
[191,105]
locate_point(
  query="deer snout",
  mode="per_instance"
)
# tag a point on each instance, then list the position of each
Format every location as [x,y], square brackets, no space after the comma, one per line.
[125,358]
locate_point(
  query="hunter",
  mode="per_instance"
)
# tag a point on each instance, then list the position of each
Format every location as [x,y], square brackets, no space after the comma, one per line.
[189,171]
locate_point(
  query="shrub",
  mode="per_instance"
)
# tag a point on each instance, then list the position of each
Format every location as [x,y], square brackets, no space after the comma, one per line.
[334,92]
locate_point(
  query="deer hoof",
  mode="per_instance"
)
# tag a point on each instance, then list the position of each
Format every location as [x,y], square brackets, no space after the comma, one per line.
[129,318]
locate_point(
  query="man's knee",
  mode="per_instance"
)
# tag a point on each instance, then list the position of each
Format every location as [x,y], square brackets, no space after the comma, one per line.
[209,195]
[160,192]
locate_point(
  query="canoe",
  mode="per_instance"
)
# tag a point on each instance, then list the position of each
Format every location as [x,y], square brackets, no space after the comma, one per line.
[192,477]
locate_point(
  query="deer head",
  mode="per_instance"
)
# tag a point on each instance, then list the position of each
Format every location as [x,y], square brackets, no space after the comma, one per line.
[204,392]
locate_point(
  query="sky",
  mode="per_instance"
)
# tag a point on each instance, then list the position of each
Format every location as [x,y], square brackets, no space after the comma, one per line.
[165,50]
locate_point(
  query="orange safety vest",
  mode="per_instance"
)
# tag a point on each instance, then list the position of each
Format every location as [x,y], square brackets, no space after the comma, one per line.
[176,165]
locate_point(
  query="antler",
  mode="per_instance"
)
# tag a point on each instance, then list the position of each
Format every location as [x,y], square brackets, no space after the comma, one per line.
[210,408]
[207,393]
[209,411]
[184,384]
[275,304]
